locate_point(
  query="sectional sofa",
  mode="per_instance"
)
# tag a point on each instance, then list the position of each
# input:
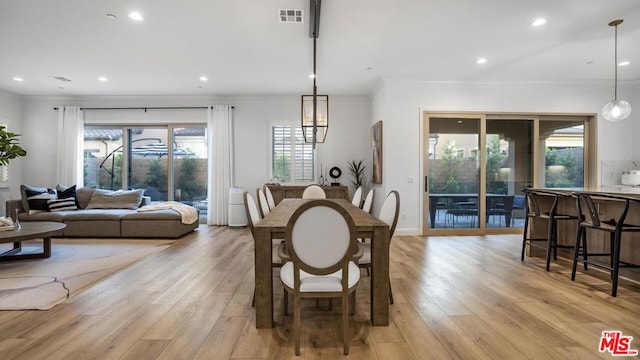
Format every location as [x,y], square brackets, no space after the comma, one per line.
[98,213]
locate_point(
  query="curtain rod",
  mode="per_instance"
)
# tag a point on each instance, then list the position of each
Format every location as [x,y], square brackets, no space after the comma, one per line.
[149,108]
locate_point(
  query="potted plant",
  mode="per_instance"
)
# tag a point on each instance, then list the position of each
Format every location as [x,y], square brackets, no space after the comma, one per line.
[357,169]
[9,146]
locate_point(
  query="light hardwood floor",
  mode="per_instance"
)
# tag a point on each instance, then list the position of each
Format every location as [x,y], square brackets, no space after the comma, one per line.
[455,298]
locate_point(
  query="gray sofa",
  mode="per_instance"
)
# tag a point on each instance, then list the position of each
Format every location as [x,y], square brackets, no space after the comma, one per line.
[107,222]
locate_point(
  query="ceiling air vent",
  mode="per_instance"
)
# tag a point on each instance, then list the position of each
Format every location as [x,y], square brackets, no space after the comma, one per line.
[291,15]
[62,78]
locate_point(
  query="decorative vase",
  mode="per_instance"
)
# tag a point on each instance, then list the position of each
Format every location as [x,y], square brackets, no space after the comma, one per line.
[16,222]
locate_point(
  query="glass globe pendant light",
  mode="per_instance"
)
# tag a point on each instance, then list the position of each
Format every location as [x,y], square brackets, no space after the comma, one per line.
[616,110]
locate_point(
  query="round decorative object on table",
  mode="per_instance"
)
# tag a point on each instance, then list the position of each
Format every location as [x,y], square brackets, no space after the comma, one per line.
[335,173]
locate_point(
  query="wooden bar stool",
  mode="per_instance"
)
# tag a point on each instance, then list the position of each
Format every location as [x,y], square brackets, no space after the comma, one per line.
[588,210]
[532,211]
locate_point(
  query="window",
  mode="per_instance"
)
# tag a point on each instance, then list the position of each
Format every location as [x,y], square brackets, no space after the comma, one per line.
[291,159]
[139,157]
[564,153]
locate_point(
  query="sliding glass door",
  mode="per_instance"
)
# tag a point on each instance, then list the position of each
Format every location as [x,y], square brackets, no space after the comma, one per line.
[169,163]
[509,168]
[476,165]
[189,167]
[147,158]
[453,182]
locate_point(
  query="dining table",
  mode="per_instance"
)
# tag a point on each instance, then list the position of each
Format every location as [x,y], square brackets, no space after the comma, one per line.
[273,227]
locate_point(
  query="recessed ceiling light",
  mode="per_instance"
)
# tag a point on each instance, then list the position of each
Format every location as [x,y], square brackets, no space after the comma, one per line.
[134,15]
[17,78]
[481,61]
[539,22]
[624,63]
[203,78]
[103,79]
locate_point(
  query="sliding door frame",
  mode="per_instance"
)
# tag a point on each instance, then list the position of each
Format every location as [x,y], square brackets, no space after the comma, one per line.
[589,163]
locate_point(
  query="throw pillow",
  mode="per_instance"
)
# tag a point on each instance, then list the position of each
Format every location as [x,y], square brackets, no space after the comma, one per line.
[35,199]
[66,192]
[83,195]
[106,199]
[62,187]
[62,204]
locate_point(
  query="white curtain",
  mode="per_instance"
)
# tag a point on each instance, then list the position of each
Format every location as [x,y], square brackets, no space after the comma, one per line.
[220,155]
[70,146]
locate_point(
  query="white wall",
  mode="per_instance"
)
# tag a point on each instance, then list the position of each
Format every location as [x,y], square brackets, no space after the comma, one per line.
[10,114]
[403,101]
[348,136]
[634,100]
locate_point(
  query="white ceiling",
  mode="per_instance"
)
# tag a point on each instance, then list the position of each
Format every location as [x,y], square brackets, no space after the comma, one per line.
[243,49]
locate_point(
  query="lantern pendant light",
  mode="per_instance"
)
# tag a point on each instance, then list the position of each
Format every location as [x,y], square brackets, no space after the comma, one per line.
[315,108]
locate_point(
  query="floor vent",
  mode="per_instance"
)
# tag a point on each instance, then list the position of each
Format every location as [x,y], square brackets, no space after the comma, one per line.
[291,15]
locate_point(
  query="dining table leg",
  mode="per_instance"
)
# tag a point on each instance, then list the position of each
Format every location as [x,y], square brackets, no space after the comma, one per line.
[380,276]
[263,279]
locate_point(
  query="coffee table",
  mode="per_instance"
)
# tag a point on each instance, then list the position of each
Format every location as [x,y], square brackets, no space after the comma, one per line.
[29,231]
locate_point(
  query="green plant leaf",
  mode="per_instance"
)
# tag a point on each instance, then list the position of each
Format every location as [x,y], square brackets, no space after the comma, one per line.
[9,146]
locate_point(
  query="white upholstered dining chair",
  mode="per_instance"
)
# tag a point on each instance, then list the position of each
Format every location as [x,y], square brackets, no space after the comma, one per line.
[253,215]
[313,192]
[320,242]
[368,202]
[389,215]
[262,201]
[269,195]
[357,197]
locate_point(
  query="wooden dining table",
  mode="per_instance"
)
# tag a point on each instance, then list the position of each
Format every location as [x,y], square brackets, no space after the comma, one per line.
[273,226]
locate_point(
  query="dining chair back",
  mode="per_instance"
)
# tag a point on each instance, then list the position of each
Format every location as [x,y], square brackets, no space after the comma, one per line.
[253,215]
[262,201]
[390,210]
[320,240]
[389,215]
[357,197]
[368,202]
[269,195]
[313,192]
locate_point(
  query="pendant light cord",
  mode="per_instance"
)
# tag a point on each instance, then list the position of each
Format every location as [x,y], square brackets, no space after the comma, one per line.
[315,97]
[615,64]
[315,76]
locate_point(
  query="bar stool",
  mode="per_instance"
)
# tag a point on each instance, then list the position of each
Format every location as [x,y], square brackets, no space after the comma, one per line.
[532,211]
[615,227]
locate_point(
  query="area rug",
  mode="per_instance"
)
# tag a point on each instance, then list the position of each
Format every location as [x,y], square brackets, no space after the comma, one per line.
[74,265]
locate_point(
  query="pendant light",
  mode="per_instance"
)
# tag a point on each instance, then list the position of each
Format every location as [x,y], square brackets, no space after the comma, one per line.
[616,110]
[315,108]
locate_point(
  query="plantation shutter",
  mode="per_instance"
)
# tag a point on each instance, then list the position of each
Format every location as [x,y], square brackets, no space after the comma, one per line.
[292,159]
